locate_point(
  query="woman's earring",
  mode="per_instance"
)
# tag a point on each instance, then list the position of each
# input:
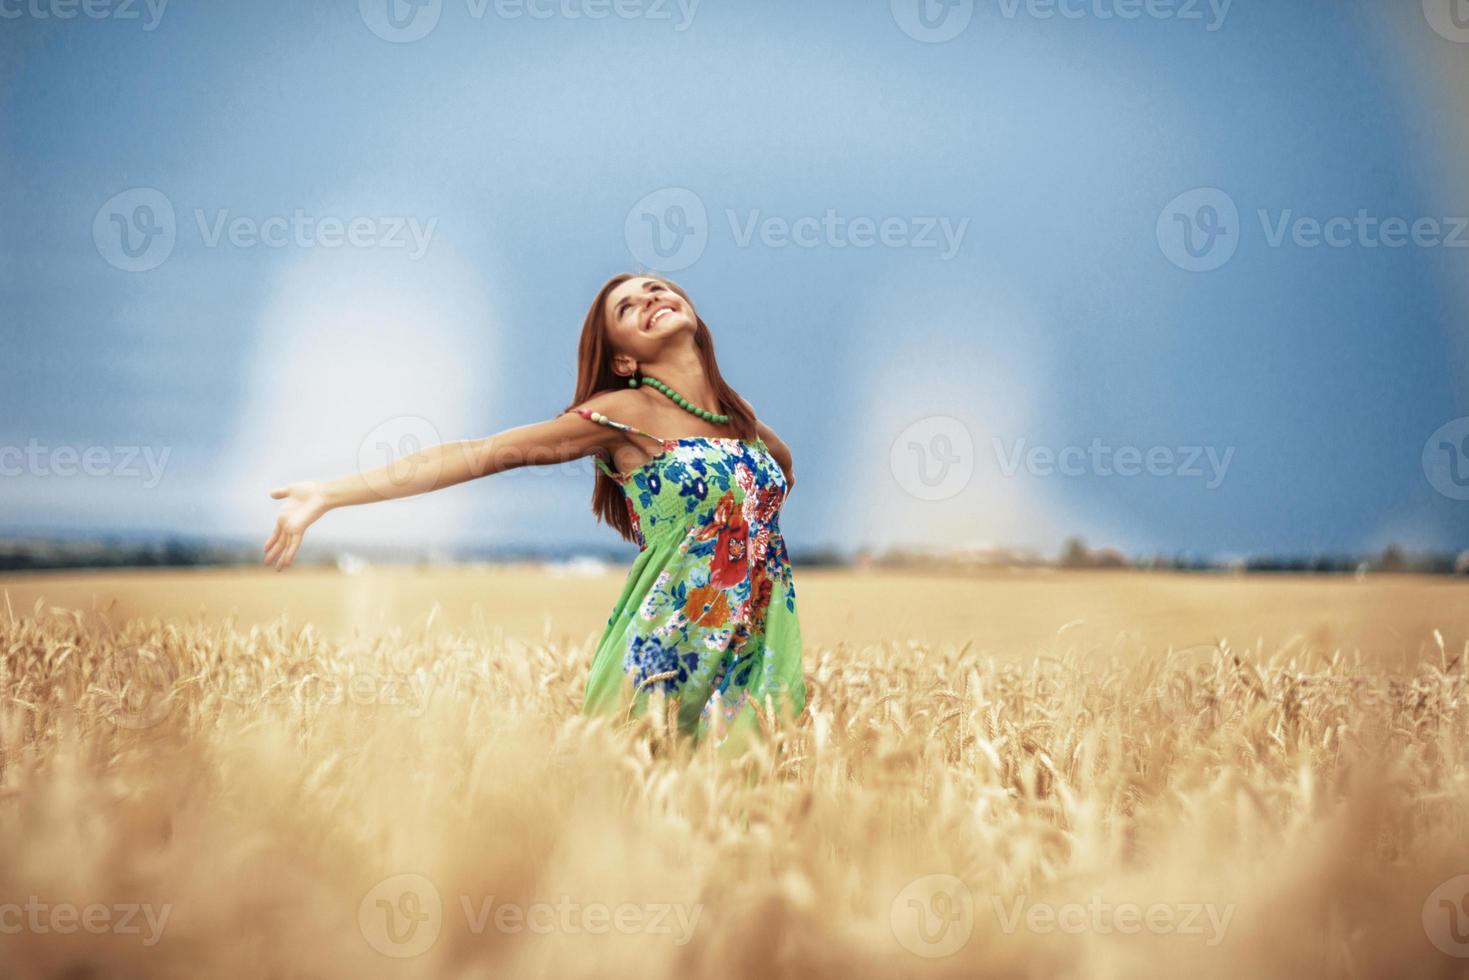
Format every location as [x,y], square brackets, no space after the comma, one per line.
[632,382]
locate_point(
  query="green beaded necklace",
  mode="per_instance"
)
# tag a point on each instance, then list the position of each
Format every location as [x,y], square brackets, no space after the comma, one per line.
[680,400]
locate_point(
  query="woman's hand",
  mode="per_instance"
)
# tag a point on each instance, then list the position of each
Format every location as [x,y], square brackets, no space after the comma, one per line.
[304,503]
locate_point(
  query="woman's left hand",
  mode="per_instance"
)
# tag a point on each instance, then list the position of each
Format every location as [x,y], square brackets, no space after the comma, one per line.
[304,504]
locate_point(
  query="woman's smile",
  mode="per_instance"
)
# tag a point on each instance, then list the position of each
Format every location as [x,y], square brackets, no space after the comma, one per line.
[658,314]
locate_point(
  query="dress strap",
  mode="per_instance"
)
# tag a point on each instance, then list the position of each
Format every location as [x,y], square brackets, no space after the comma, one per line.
[601,419]
[602,465]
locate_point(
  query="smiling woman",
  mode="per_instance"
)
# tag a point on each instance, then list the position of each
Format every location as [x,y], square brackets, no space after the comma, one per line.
[707,616]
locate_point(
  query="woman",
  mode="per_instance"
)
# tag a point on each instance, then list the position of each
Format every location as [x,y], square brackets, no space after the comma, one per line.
[708,613]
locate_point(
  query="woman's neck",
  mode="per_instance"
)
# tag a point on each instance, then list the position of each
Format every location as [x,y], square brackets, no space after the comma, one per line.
[683,371]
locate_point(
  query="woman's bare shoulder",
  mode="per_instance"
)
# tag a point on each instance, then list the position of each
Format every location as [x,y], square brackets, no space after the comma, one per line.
[620,406]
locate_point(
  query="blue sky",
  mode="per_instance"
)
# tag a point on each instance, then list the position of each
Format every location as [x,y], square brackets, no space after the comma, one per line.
[1027,301]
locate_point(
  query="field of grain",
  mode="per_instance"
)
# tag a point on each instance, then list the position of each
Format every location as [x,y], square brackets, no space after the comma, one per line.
[241,774]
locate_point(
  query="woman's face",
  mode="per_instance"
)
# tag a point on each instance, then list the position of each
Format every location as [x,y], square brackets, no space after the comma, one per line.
[642,314]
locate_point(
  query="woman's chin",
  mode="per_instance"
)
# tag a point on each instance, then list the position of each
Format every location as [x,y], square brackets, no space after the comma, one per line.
[672,326]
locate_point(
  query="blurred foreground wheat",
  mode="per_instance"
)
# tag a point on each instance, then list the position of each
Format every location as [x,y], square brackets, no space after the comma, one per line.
[272,804]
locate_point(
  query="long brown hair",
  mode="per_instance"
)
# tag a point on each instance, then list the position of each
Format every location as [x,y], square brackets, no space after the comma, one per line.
[594,374]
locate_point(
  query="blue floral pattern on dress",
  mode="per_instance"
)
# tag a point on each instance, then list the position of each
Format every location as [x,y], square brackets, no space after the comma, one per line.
[711,598]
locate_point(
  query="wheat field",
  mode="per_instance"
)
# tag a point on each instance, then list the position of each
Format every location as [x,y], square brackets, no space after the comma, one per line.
[1076,775]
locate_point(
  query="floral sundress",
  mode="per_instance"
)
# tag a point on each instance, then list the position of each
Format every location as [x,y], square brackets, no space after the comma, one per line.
[709,605]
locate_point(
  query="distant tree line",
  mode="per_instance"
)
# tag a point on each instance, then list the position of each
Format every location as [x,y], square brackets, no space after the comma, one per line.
[53,553]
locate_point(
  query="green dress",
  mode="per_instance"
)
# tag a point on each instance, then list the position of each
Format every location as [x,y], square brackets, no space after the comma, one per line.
[708,613]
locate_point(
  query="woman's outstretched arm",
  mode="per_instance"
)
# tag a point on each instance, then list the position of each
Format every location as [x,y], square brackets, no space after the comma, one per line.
[557,440]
